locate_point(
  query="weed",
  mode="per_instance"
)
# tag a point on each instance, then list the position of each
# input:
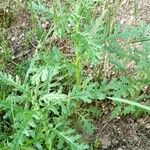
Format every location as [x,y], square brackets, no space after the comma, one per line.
[46,98]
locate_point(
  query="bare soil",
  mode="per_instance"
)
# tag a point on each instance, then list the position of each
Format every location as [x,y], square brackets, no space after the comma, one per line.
[124,133]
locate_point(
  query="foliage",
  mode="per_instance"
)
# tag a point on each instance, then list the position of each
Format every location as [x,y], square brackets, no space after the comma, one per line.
[42,103]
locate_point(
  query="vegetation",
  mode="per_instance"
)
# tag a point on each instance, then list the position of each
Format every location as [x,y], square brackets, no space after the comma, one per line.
[82,57]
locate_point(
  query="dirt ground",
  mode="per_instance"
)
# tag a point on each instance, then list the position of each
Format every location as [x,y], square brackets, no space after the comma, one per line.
[129,13]
[124,133]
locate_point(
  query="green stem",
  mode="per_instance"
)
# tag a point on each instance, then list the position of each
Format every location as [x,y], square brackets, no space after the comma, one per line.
[78,56]
[78,67]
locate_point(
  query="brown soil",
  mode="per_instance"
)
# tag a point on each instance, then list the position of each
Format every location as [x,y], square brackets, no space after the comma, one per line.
[17,33]
[131,13]
[123,133]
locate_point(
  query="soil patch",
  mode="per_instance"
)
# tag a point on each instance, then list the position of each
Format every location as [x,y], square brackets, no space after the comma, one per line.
[123,133]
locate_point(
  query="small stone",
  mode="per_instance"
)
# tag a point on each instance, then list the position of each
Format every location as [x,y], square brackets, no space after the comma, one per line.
[48,41]
[115,141]
[45,25]
[106,142]
[147,126]
[122,148]
[141,121]
[13,39]
[23,25]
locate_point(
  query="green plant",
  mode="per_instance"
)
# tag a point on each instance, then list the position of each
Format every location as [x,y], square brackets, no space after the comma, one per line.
[5,52]
[38,107]
[43,101]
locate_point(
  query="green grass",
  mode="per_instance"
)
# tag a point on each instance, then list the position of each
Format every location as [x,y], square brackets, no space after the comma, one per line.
[44,98]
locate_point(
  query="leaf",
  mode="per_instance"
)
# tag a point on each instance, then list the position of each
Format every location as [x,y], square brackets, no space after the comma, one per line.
[88,126]
[72,139]
[117,111]
[39,8]
[129,109]
[22,129]
[8,80]
[53,97]
[52,101]
[95,111]
[88,92]
[130,103]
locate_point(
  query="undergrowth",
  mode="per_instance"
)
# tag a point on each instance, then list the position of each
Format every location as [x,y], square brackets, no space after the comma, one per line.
[45,98]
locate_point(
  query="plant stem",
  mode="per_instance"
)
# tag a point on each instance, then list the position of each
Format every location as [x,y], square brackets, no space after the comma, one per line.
[78,56]
[78,67]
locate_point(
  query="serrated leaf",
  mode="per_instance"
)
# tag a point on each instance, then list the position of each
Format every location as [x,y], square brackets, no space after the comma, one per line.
[145,107]
[72,139]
